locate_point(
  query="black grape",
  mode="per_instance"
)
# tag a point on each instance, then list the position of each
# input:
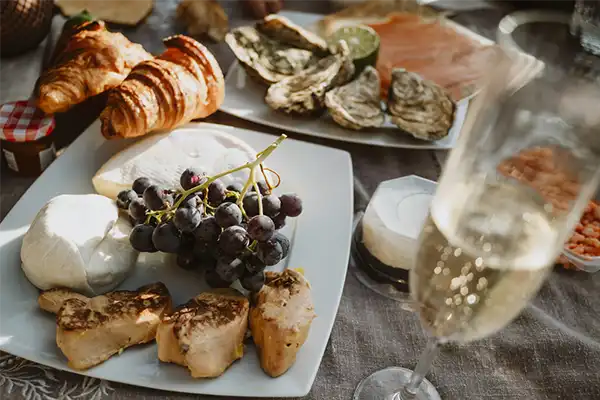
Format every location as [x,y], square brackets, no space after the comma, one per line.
[141,184]
[253,282]
[279,221]
[186,260]
[262,186]
[166,238]
[187,240]
[214,280]
[233,189]
[125,197]
[208,264]
[291,204]
[230,198]
[236,186]
[205,256]
[261,228]
[250,204]
[284,242]
[270,252]
[271,205]
[202,249]
[187,219]
[141,238]
[191,201]
[254,264]
[155,198]
[191,177]
[217,253]
[230,270]
[216,193]
[207,231]
[228,214]
[137,210]
[233,240]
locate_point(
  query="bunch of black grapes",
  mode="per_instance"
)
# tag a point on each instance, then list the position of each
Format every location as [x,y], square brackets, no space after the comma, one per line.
[208,230]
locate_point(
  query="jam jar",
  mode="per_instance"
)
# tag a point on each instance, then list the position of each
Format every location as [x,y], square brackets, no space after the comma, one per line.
[26,137]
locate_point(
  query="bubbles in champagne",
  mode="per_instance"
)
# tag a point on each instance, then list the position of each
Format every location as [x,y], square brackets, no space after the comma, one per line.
[479,262]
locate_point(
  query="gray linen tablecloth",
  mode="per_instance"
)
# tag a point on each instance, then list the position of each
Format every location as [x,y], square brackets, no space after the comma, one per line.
[551,351]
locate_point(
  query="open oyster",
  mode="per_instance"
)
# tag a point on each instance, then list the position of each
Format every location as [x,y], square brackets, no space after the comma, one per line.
[285,31]
[357,104]
[264,59]
[304,93]
[419,107]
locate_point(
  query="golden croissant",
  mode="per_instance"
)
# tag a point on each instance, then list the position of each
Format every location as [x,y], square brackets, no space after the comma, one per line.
[92,61]
[182,84]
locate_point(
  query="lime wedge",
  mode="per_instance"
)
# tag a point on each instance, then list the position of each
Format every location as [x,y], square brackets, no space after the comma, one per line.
[363,42]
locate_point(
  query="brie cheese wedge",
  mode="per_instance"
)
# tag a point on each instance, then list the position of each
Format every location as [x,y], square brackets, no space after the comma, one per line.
[78,242]
[163,157]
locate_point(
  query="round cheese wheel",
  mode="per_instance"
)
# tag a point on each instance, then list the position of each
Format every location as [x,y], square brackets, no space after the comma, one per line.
[163,157]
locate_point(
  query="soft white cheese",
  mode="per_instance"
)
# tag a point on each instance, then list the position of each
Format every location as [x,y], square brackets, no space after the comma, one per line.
[163,157]
[78,242]
[393,221]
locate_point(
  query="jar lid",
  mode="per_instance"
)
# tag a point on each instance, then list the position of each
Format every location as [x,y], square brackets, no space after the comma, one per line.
[22,121]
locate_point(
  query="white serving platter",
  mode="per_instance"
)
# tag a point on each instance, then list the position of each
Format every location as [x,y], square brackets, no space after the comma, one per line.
[320,245]
[245,99]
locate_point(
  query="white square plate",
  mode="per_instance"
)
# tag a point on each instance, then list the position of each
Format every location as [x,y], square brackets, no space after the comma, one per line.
[245,99]
[320,244]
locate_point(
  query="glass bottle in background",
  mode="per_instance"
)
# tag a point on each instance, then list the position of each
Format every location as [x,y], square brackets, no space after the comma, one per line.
[526,164]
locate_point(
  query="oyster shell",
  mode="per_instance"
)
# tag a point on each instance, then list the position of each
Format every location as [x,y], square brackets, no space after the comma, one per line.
[285,31]
[264,59]
[357,104]
[419,107]
[304,93]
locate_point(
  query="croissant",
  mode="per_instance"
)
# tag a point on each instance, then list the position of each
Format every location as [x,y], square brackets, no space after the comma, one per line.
[183,83]
[92,61]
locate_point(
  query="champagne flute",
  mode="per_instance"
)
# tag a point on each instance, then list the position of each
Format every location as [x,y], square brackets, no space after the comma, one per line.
[525,166]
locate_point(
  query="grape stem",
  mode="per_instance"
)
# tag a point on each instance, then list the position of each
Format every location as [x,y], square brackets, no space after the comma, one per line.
[252,246]
[251,165]
[263,171]
[259,195]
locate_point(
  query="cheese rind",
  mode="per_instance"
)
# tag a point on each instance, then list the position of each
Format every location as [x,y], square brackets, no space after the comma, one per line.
[163,157]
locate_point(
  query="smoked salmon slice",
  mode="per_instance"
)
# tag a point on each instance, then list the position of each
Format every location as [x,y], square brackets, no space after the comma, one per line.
[436,52]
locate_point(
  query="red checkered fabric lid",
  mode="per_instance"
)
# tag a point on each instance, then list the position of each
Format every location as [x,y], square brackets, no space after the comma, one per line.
[22,121]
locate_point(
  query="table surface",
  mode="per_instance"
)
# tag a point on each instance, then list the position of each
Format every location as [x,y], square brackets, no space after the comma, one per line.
[551,351]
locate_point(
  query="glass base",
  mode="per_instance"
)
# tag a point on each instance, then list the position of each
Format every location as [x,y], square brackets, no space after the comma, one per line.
[385,384]
[369,271]
[384,289]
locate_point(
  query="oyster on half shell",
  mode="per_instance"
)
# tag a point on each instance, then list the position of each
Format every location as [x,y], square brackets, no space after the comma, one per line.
[419,107]
[285,31]
[265,59]
[304,93]
[357,105]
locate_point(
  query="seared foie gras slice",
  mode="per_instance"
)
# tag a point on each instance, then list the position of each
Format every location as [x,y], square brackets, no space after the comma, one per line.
[206,334]
[52,300]
[91,330]
[281,319]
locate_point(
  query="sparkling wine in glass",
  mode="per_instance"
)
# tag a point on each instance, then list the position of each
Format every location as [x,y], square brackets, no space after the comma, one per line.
[525,166]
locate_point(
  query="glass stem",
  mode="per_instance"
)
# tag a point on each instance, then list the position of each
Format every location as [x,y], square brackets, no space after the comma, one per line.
[423,366]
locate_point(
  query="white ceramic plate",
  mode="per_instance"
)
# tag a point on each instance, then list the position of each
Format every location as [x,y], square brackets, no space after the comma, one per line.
[245,99]
[320,244]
